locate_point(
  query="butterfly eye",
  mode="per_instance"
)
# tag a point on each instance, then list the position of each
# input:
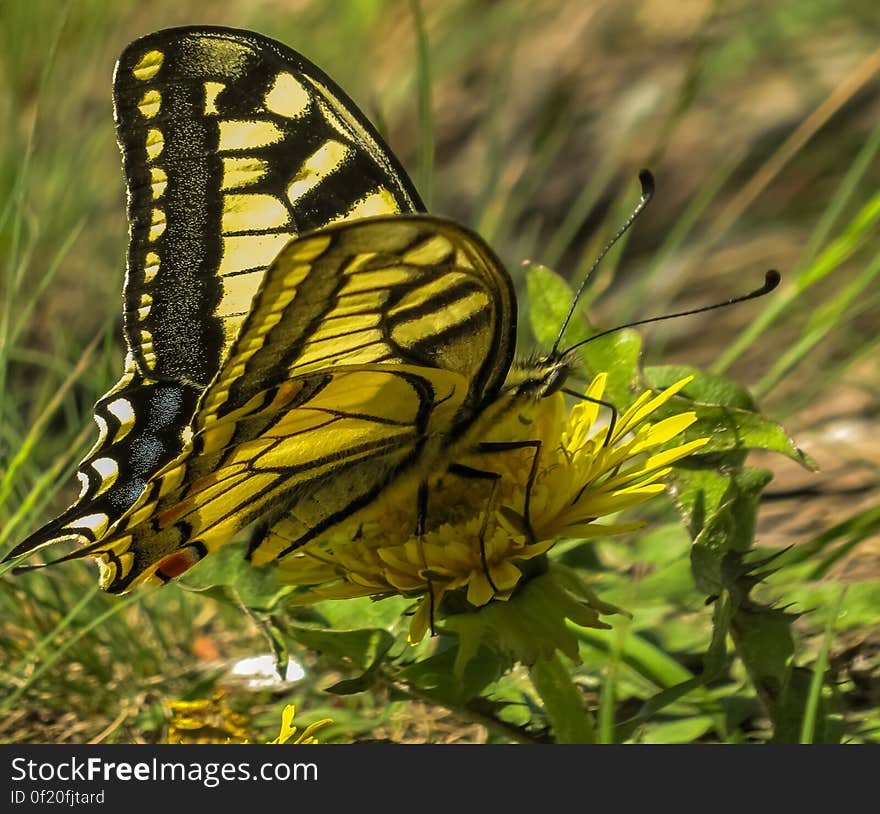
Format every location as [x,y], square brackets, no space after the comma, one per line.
[178,563]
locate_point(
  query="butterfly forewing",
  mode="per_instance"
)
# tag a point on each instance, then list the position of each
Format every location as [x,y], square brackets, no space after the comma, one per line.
[232,143]
[305,423]
[419,291]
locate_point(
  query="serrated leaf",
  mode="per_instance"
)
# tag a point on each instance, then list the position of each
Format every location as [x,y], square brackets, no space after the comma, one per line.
[720,512]
[733,430]
[764,642]
[726,415]
[705,387]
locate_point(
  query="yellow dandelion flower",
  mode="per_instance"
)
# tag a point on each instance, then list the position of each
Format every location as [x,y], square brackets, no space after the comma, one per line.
[480,537]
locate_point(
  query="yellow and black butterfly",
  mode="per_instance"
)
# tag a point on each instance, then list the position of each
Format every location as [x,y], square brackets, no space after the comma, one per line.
[232,143]
[375,352]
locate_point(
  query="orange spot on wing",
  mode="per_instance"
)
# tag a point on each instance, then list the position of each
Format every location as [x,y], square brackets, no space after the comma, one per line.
[178,562]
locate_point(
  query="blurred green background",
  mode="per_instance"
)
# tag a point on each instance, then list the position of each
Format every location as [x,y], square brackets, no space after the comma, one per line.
[760,122]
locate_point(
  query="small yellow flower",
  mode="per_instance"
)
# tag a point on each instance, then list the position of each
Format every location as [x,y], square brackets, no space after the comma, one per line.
[481,550]
[207,720]
[211,720]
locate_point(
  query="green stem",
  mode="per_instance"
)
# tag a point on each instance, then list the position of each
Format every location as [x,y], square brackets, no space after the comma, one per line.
[565,707]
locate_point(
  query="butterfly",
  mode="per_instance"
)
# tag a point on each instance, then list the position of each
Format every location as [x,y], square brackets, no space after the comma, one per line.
[232,143]
[375,353]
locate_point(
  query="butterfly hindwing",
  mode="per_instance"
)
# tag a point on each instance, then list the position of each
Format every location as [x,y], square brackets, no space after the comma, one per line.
[140,425]
[321,448]
[232,144]
[306,422]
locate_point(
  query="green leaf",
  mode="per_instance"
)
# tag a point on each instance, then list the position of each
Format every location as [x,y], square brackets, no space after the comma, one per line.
[706,387]
[228,577]
[386,612]
[685,730]
[720,511]
[364,650]
[451,683]
[618,355]
[733,430]
[550,297]
[726,415]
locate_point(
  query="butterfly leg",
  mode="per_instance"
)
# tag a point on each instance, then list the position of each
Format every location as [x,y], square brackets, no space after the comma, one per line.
[470,472]
[480,474]
[507,446]
[612,422]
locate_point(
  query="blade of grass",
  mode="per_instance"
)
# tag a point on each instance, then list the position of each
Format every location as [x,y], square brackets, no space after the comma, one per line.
[808,728]
[39,425]
[570,720]
[16,208]
[842,93]
[66,645]
[639,655]
[24,311]
[825,318]
[779,304]
[608,695]
[425,165]
[858,232]
[842,196]
[47,483]
[44,643]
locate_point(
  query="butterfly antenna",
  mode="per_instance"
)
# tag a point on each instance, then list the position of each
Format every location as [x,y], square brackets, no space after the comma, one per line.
[771,280]
[646,179]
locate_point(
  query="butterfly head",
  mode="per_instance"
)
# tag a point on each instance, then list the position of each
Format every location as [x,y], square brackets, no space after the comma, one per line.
[541,376]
